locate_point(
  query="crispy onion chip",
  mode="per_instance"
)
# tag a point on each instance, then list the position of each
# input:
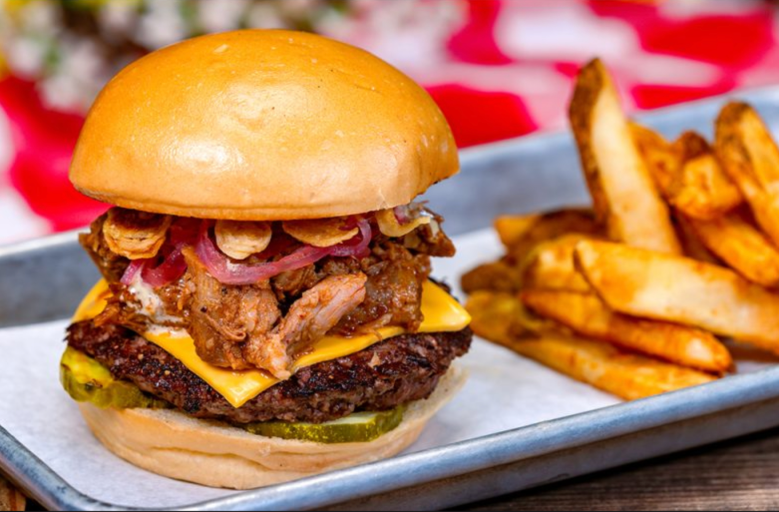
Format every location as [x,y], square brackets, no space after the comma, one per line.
[135,235]
[239,240]
[320,232]
[389,225]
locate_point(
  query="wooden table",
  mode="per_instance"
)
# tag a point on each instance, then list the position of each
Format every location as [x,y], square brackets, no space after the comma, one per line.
[741,474]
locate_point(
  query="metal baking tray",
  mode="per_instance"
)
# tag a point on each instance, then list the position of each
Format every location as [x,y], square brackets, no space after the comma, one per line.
[41,280]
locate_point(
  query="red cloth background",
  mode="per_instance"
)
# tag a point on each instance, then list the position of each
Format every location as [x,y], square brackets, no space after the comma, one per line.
[505,71]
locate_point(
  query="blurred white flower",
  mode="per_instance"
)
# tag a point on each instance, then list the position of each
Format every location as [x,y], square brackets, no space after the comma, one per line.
[221,15]
[410,34]
[79,75]
[71,49]
[62,92]
[118,18]
[27,56]
[296,8]
[161,24]
[264,15]
[40,16]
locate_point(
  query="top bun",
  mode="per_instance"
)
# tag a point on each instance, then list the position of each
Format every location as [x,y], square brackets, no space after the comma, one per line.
[262,125]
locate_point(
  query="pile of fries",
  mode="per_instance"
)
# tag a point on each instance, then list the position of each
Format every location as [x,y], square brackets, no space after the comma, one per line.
[680,251]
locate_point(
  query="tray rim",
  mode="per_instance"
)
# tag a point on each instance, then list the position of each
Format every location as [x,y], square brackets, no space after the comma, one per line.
[540,439]
[453,460]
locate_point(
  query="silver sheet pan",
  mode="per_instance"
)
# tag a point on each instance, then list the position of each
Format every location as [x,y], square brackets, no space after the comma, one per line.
[41,280]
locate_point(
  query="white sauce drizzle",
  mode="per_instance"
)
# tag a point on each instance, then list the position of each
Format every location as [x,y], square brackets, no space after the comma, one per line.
[151,303]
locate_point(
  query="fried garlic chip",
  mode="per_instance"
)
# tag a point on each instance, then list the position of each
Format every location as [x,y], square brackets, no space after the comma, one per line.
[320,232]
[391,227]
[239,240]
[135,235]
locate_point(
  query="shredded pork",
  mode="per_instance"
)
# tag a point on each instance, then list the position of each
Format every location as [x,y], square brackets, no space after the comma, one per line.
[268,325]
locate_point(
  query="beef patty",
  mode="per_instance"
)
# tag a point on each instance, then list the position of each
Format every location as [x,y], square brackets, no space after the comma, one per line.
[391,373]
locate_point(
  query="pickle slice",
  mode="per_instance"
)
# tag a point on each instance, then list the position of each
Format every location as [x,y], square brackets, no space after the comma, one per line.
[86,380]
[361,427]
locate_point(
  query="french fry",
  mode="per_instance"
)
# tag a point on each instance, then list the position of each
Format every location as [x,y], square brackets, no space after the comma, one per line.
[550,226]
[661,158]
[692,245]
[502,318]
[740,244]
[496,316]
[10,498]
[588,316]
[701,189]
[498,276]
[511,228]
[625,196]
[522,235]
[551,266]
[664,161]
[608,368]
[662,287]
[751,158]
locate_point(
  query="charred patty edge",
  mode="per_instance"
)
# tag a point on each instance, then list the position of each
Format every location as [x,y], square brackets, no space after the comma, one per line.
[393,372]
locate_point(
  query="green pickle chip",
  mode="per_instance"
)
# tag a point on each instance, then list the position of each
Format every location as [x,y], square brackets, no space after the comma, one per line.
[86,380]
[361,427]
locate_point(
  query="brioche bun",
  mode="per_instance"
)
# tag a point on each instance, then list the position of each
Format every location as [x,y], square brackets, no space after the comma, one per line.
[174,445]
[262,125]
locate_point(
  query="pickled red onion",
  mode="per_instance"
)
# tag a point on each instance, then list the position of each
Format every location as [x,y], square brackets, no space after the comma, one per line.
[170,270]
[184,232]
[357,246]
[401,213]
[132,270]
[227,272]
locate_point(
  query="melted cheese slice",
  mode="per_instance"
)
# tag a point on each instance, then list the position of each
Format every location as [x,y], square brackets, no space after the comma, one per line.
[442,314]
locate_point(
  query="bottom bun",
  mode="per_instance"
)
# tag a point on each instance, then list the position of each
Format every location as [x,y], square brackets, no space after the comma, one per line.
[174,445]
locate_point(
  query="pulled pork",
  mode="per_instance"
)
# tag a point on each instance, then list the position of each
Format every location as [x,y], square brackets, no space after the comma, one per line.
[241,327]
[268,325]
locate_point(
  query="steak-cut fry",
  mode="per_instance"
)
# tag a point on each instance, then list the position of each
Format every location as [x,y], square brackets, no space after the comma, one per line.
[511,228]
[10,498]
[588,316]
[498,276]
[550,226]
[701,189]
[623,190]
[661,158]
[551,266]
[502,318]
[608,368]
[664,161]
[740,244]
[750,156]
[496,316]
[652,285]
[692,245]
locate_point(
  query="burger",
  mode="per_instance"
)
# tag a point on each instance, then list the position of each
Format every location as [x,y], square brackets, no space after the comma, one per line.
[266,310]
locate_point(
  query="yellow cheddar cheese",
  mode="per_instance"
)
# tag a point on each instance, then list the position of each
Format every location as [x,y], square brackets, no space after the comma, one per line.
[442,314]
